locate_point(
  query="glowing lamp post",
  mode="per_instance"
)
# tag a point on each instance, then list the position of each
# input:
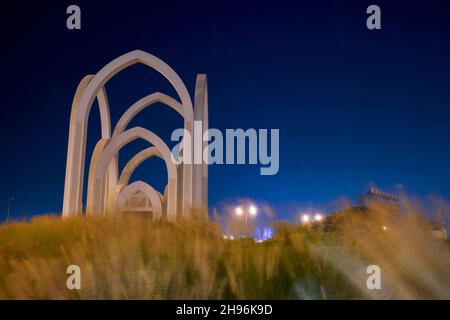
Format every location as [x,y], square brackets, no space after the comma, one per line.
[306,218]
[252,211]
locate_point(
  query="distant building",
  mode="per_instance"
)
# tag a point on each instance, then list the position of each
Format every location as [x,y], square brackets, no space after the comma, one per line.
[438,229]
[373,196]
[377,195]
[263,233]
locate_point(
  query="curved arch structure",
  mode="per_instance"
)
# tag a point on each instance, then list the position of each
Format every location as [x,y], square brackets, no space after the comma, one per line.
[80,113]
[149,191]
[148,101]
[96,185]
[135,162]
[103,104]
[125,176]
[185,187]
[183,193]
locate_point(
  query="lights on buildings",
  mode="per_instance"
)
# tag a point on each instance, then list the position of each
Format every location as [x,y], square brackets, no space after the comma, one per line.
[380,194]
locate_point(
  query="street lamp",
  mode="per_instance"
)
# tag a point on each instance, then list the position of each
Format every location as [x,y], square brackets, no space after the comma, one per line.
[306,218]
[9,208]
[239,211]
[318,217]
[252,210]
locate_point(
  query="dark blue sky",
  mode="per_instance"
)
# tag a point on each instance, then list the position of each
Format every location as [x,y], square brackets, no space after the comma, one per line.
[353,106]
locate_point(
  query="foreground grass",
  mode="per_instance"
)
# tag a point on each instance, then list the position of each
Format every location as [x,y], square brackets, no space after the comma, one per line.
[135,258]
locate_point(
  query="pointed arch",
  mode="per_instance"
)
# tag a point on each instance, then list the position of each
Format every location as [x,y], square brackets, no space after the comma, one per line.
[135,162]
[105,122]
[81,107]
[95,203]
[147,101]
[149,191]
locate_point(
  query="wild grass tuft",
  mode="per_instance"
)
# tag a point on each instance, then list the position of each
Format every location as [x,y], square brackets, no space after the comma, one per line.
[133,257]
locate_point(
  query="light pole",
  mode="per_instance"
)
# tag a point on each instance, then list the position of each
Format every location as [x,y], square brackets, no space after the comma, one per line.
[9,208]
[306,218]
[318,217]
[252,210]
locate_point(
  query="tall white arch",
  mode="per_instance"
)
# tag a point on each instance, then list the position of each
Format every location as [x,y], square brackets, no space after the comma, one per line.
[81,107]
[105,122]
[96,187]
[149,191]
[184,186]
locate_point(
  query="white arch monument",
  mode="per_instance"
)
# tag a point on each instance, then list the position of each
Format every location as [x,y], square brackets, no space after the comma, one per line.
[187,187]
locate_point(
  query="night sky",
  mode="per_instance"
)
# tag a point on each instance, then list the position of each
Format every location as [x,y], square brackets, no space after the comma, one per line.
[353,106]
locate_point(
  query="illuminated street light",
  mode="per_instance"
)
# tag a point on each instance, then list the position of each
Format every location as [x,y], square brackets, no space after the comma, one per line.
[318,217]
[305,218]
[239,211]
[252,211]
